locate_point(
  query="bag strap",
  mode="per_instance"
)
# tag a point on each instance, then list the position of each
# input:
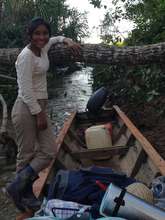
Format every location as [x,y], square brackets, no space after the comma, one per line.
[119,202]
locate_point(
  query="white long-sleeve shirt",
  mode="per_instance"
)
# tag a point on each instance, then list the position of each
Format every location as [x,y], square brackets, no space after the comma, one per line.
[31,75]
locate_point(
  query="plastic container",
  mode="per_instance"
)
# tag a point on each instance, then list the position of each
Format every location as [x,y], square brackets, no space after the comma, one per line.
[99,136]
[132,207]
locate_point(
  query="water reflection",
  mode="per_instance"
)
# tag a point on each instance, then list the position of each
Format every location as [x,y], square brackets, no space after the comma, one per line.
[69,93]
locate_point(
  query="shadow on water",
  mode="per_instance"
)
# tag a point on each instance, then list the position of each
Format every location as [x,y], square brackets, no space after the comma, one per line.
[69,93]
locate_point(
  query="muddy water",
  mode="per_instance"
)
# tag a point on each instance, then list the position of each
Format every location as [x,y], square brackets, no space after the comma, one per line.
[67,93]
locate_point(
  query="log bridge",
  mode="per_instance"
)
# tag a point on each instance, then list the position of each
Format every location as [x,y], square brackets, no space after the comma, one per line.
[97,53]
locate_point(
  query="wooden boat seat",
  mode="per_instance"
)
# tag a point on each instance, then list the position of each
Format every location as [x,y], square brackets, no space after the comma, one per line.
[99,152]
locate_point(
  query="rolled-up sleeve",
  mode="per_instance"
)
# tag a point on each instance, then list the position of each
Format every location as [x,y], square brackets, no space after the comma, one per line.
[53,40]
[24,67]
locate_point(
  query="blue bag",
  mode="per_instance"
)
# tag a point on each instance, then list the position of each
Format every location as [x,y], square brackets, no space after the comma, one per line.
[80,185]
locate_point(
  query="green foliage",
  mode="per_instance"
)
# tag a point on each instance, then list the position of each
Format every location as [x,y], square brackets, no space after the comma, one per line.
[110,33]
[133,84]
[76,25]
[96,3]
[11,36]
[148,17]
[16,14]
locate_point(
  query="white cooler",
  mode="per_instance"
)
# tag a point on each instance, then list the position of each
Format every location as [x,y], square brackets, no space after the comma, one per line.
[99,136]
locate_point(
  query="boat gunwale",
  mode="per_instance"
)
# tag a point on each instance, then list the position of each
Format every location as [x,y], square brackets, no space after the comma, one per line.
[43,175]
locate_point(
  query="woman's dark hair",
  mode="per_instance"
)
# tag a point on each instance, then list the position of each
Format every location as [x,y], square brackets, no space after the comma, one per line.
[35,22]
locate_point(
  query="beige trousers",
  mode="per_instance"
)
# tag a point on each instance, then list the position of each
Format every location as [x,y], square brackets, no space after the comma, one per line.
[35,147]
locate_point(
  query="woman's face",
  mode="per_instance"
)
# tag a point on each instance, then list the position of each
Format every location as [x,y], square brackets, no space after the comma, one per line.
[40,36]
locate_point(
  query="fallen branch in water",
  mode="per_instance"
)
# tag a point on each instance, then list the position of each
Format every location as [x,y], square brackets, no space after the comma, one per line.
[7,77]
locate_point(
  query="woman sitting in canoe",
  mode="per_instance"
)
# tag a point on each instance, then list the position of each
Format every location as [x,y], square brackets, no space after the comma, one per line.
[29,112]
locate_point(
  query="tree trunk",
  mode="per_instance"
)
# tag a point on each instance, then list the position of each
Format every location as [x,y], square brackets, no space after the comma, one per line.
[99,54]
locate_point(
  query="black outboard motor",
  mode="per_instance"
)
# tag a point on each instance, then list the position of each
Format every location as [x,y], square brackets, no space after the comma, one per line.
[97,100]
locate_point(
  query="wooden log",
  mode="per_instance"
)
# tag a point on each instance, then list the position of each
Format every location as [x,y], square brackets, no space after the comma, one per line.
[97,53]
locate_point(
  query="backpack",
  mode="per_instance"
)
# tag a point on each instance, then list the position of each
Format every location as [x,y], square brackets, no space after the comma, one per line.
[81,185]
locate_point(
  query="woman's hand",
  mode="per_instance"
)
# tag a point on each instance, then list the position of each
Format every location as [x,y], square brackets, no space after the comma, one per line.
[73,46]
[41,120]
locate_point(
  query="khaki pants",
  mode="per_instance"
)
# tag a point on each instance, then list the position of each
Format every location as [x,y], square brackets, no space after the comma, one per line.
[35,147]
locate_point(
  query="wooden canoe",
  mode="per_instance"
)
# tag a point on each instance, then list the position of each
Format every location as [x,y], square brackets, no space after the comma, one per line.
[130,153]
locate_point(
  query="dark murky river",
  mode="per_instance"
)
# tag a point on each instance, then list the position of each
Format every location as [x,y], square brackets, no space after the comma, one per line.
[69,93]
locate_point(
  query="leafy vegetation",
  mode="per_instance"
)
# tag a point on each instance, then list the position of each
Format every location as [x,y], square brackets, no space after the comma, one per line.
[133,85]
[136,85]
[15,15]
[148,16]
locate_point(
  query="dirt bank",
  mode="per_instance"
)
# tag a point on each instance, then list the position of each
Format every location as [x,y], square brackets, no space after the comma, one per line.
[150,119]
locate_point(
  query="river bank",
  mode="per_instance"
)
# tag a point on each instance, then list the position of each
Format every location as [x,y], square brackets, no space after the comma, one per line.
[150,119]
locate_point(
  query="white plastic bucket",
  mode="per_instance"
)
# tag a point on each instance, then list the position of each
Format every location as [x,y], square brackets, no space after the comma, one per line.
[98,136]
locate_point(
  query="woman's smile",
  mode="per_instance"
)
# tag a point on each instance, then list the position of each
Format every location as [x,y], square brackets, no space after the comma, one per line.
[40,37]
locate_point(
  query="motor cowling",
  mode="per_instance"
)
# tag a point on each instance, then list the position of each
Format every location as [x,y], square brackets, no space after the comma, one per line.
[97,100]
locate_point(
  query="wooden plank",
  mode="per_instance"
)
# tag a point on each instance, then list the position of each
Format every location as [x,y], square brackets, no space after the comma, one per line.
[125,138]
[140,159]
[99,152]
[66,147]
[121,131]
[43,175]
[73,135]
[148,148]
